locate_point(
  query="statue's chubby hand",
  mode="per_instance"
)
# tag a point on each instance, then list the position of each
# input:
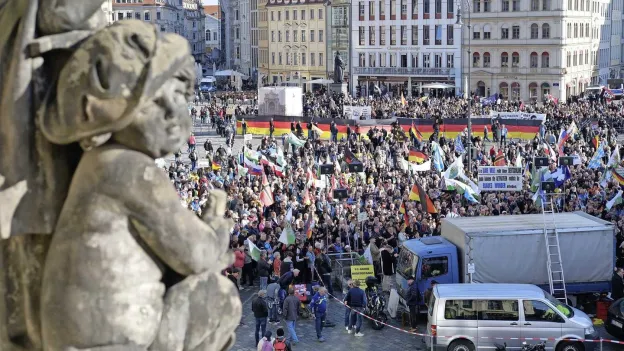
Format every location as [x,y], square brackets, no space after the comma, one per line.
[214,217]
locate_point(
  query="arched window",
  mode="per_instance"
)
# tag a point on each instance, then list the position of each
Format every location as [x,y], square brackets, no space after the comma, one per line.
[533,90]
[515,60]
[545,31]
[208,35]
[503,90]
[476,59]
[515,91]
[487,59]
[534,31]
[533,60]
[505,60]
[545,60]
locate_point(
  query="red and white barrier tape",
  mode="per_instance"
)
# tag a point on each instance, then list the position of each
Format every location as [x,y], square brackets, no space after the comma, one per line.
[467,337]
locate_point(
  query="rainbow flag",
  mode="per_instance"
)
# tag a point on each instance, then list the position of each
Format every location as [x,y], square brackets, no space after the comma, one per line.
[308,226]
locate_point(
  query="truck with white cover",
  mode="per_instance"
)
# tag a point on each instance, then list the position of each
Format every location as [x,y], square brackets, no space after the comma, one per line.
[512,249]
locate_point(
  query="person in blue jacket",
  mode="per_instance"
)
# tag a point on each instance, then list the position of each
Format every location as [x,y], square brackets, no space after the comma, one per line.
[319,307]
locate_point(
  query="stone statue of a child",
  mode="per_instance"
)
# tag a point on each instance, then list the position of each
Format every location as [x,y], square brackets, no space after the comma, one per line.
[123,96]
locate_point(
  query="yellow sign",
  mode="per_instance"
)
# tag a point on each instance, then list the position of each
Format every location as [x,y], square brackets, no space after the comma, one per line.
[360,273]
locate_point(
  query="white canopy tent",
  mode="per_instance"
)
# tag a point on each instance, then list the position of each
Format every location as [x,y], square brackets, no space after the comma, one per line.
[230,73]
[320,81]
[437,86]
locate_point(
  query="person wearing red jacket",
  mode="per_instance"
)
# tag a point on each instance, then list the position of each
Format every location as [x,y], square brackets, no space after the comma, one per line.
[239,262]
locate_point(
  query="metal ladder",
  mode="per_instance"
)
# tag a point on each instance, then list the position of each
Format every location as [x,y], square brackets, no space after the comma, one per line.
[556,278]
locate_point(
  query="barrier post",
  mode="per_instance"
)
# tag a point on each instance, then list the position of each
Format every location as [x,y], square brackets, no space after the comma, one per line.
[431,343]
[601,343]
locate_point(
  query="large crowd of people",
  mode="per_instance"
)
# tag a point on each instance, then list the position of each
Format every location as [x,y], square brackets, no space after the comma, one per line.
[276,186]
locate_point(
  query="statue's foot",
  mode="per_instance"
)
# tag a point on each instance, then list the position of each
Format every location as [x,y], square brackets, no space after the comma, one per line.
[201,313]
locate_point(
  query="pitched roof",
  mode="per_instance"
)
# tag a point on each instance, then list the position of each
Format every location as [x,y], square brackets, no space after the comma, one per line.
[213,10]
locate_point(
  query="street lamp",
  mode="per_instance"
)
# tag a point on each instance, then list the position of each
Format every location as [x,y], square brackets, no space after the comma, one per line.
[468,115]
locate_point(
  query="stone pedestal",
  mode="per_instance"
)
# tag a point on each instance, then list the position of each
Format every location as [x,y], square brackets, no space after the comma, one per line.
[339,88]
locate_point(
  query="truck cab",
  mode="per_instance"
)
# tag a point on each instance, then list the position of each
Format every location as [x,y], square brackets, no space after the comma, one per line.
[426,259]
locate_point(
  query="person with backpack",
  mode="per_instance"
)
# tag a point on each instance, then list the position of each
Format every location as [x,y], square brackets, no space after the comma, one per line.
[193,158]
[266,343]
[260,310]
[280,343]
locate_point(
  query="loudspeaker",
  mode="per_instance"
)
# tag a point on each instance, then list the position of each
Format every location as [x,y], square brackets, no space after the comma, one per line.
[540,162]
[548,186]
[341,194]
[326,169]
[356,167]
[566,161]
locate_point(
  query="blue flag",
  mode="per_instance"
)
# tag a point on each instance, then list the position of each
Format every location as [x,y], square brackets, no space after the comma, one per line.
[459,146]
[490,100]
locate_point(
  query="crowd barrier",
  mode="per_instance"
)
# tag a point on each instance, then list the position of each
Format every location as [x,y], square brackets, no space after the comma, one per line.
[425,335]
[517,128]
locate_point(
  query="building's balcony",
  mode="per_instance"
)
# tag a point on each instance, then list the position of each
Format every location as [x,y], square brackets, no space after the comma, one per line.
[403,71]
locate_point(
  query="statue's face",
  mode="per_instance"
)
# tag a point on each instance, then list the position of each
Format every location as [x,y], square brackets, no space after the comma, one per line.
[161,125]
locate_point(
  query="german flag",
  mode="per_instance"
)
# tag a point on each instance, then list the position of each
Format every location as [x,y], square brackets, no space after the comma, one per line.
[405,216]
[596,141]
[216,166]
[618,175]
[499,160]
[417,134]
[418,194]
[417,156]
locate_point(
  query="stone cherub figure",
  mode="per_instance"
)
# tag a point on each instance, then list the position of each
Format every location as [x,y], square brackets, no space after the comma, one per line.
[338,68]
[123,97]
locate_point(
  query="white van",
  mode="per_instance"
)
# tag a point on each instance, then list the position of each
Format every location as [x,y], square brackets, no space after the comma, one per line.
[470,317]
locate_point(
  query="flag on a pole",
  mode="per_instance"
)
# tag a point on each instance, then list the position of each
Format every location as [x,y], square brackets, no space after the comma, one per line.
[438,158]
[251,155]
[596,141]
[596,160]
[499,160]
[455,169]
[403,102]
[253,168]
[614,159]
[518,161]
[417,193]
[563,137]
[618,175]
[459,146]
[308,226]
[215,166]
[254,251]
[617,199]
[549,152]
[417,156]
[266,196]
[293,140]
[424,167]
[417,134]
[288,234]
[403,211]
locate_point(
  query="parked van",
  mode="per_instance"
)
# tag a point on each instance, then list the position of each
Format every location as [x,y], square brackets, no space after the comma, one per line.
[470,317]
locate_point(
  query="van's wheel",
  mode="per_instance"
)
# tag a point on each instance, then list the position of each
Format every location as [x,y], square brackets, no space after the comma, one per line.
[461,345]
[570,346]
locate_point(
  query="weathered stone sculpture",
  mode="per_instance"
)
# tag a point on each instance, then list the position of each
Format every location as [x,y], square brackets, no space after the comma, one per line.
[339,67]
[121,94]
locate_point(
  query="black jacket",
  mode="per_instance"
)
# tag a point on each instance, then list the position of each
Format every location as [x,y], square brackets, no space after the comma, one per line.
[617,287]
[260,308]
[263,268]
[412,297]
[388,262]
[286,279]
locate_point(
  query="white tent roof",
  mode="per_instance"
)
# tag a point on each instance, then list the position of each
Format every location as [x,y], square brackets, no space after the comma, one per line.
[320,81]
[229,73]
[437,86]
